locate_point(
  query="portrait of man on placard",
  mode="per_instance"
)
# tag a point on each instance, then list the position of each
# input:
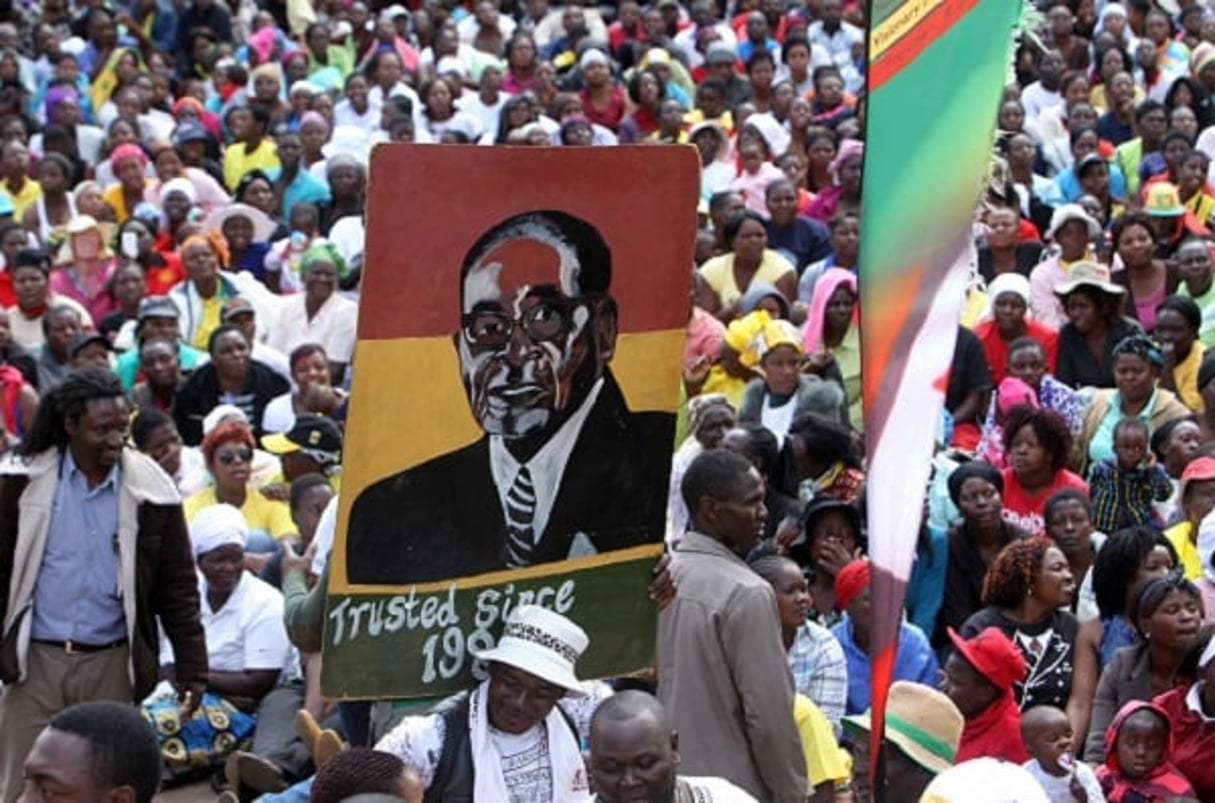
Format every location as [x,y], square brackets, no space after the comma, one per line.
[564,469]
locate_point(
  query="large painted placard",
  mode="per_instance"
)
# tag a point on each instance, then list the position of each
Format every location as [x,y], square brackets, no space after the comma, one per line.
[513,411]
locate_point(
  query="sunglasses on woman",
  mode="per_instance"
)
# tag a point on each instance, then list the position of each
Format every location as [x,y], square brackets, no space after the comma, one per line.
[227,458]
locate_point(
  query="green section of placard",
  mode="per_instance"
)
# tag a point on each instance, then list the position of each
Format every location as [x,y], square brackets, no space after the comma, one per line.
[420,644]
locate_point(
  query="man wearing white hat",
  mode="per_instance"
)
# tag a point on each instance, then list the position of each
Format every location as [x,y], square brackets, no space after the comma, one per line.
[516,736]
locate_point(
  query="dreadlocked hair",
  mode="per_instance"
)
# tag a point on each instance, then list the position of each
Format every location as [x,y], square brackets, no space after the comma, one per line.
[69,400]
[358,771]
[1012,572]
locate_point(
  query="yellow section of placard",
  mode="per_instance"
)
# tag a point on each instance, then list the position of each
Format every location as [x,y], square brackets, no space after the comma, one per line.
[418,380]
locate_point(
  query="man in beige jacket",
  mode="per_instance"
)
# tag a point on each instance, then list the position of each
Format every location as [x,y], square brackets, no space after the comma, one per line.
[722,673]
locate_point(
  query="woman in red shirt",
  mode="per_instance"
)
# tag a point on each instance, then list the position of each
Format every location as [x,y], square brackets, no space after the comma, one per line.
[1008,305]
[603,100]
[1037,443]
[1191,710]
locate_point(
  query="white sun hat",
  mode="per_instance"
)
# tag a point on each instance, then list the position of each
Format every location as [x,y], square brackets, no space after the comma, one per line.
[542,643]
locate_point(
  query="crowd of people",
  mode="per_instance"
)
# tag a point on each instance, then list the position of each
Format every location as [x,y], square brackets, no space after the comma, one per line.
[178,314]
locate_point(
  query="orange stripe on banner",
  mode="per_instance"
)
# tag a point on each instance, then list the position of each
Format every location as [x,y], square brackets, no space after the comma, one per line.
[885,329]
[904,51]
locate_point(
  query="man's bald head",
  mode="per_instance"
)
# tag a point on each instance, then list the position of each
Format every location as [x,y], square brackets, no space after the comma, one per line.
[631,746]
[627,705]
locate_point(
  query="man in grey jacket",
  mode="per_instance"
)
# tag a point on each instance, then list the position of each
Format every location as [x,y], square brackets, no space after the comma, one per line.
[722,673]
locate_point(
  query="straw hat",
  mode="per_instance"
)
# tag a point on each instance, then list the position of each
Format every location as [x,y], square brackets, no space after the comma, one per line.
[263,226]
[1091,274]
[1066,214]
[542,643]
[922,722]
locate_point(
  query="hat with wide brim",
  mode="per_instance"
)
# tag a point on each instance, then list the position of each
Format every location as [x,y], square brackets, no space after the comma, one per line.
[81,224]
[1066,214]
[921,722]
[263,226]
[542,643]
[1088,274]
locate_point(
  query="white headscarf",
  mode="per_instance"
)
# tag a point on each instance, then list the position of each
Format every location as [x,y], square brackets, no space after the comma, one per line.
[1007,283]
[218,526]
[179,184]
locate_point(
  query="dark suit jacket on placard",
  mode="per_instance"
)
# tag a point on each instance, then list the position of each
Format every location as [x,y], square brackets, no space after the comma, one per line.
[443,519]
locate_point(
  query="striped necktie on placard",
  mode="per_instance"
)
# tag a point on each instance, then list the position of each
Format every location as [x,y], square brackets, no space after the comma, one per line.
[520,513]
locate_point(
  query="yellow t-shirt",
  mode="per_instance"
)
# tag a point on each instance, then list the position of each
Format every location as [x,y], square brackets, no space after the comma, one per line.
[718,273]
[237,162]
[209,322]
[1187,551]
[30,191]
[825,761]
[1185,377]
[264,516]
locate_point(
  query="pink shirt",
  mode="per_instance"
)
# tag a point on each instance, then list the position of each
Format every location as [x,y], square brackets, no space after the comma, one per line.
[96,298]
[753,186]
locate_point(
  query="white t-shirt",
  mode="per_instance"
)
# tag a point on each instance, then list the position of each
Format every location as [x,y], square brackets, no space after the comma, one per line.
[526,766]
[716,790]
[777,419]
[247,632]
[279,415]
[1058,790]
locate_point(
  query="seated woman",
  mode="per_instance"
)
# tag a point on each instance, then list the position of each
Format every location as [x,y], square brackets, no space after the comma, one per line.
[86,267]
[974,542]
[833,537]
[1038,446]
[1069,523]
[914,659]
[1196,499]
[1025,592]
[1094,326]
[1027,362]
[1146,278]
[759,446]
[320,314]
[785,393]
[155,434]
[247,650]
[1008,321]
[1128,560]
[230,377]
[730,275]
[710,415]
[822,460]
[228,452]
[312,393]
[1168,616]
[1190,712]
[1174,444]
[816,659]
[1137,363]
[831,335]
[1178,320]
[726,374]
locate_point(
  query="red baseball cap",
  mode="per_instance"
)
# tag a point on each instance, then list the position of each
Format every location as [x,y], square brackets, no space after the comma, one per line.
[993,655]
[1200,468]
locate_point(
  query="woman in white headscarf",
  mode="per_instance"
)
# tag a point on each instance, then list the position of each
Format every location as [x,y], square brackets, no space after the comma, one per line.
[248,651]
[1007,319]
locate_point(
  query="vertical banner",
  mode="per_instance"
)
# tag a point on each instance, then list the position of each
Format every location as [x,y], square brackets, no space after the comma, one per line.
[936,71]
[512,419]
